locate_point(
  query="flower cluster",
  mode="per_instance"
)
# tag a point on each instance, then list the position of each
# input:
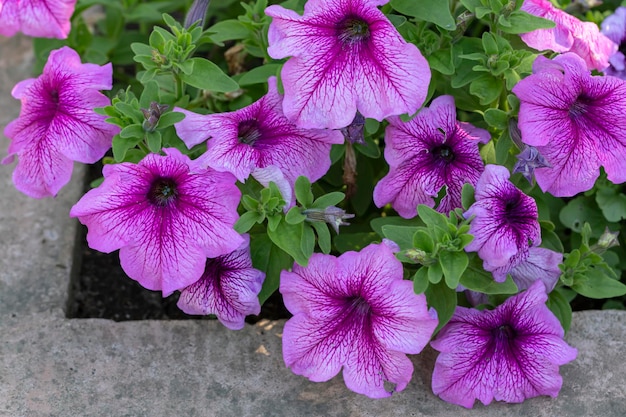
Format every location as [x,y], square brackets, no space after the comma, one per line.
[222,186]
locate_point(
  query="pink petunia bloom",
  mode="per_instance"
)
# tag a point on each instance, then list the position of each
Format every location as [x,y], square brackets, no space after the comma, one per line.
[430,151]
[57,124]
[39,18]
[507,354]
[166,215]
[504,223]
[258,140]
[569,35]
[228,288]
[576,121]
[345,56]
[614,27]
[534,264]
[357,313]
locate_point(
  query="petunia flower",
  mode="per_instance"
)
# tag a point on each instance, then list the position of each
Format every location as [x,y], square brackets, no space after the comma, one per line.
[166,215]
[504,220]
[508,354]
[38,18]
[428,152]
[228,288]
[57,124]
[345,56]
[528,266]
[569,35]
[258,140]
[357,313]
[614,28]
[576,121]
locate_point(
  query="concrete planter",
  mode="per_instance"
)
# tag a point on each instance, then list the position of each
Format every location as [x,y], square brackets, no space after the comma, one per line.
[53,366]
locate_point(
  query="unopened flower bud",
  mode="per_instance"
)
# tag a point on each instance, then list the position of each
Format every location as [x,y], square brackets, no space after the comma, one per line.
[528,160]
[418,256]
[354,131]
[197,12]
[332,215]
[152,115]
[608,239]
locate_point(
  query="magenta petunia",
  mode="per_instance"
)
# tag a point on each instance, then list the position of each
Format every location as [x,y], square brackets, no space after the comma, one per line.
[508,354]
[569,35]
[345,56]
[166,215]
[528,266]
[228,288]
[258,140]
[614,28]
[39,18]
[357,313]
[57,124]
[576,121]
[504,220]
[430,151]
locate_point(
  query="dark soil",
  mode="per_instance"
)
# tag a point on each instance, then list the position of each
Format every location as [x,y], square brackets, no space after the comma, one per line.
[101,289]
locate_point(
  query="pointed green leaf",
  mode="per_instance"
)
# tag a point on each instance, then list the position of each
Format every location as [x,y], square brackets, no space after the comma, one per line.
[453,265]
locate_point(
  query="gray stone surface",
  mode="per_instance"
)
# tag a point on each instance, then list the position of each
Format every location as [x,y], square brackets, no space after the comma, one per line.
[53,366]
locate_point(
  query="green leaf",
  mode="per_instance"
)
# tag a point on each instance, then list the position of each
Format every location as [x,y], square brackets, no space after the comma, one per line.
[423,240]
[431,217]
[612,203]
[304,195]
[521,22]
[401,235]
[269,258]
[208,76]
[441,60]
[467,195]
[328,200]
[259,75]
[497,118]
[295,216]
[477,279]
[595,284]
[121,145]
[580,210]
[307,244]
[132,131]
[443,300]
[169,118]
[273,222]
[420,280]
[153,140]
[486,88]
[561,308]
[247,220]
[435,11]
[288,237]
[435,273]
[489,43]
[226,30]
[453,265]
[377,223]
[323,236]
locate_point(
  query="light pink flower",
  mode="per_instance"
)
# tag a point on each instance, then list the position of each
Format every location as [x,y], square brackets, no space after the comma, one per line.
[345,56]
[39,18]
[569,35]
[57,124]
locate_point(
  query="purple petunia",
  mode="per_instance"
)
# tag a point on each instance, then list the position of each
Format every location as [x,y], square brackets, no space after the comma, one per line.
[507,354]
[569,35]
[228,288]
[57,124]
[258,140]
[166,215]
[430,151]
[576,121]
[528,266]
[39,18]
[357,313]
[345,56]
[504,223]
[614,28]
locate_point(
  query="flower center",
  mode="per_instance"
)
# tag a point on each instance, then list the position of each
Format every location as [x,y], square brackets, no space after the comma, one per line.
[359,306]
[54,96]
[248,132]
[580,106]
[162,192]
[505,332]
[444,152]
[352,30]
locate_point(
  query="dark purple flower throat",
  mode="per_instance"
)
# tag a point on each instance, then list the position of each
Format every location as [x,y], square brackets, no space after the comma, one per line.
[248,132]
[163,191]
[353,29]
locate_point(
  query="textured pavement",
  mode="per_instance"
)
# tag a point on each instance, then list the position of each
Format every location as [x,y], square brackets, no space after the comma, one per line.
[53,366]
